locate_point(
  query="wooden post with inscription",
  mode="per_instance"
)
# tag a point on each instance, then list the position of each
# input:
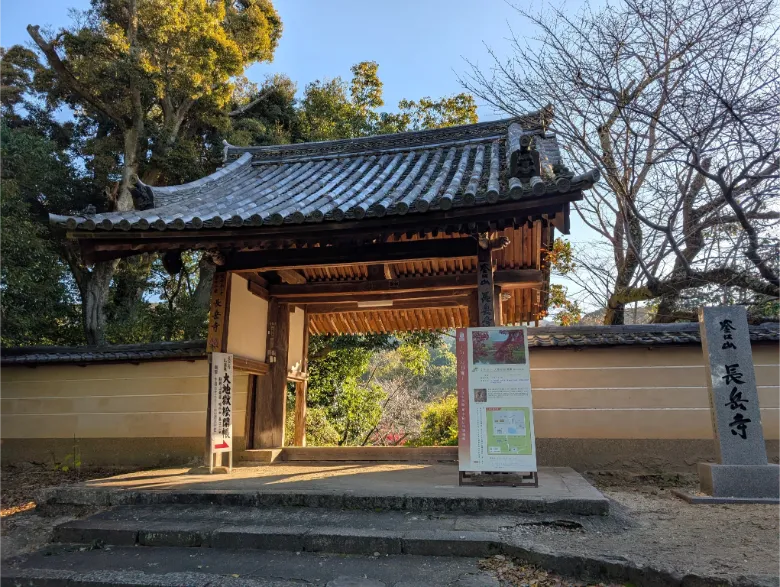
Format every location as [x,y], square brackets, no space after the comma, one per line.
[219,313]
[485,288]
[271,402]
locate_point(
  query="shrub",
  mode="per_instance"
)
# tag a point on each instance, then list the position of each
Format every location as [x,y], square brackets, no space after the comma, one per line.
[439,423]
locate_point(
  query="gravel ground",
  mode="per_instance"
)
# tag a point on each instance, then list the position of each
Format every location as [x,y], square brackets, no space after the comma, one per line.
[651,526]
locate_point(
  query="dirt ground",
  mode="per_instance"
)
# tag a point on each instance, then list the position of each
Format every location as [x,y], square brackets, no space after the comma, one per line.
[647,525]
[651,526]
[22,530]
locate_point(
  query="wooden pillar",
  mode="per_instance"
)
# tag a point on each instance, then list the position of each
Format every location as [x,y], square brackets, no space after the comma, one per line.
[498,316]
[486,295]
[300,388]
[473,309]
[270,404]
[300,413]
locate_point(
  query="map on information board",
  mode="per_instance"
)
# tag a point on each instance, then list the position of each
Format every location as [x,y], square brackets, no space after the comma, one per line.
[507,431]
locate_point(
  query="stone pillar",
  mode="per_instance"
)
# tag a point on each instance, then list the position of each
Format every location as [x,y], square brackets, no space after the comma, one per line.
[742,471]
[271,401]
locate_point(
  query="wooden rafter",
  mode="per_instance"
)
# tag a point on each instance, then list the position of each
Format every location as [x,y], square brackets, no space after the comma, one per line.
[285,259]
[506,278]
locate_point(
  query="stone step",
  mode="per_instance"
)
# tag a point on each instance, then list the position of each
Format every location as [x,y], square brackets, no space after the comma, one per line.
[61,566]
[422,489]
[289,529]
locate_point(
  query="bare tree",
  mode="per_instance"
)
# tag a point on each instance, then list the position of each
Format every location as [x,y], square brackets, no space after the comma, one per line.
[677,103]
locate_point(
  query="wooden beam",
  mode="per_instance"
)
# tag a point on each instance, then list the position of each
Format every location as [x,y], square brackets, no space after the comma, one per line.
[259,291]
[506,278]
[248,365]
[338,301]
[381,271]
[291,276]
[253,277]
[339,256]
[443,302]
[371,453]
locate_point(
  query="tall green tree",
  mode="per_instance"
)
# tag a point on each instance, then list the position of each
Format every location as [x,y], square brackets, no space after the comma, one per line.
[139,72]
[334,109]
[38,304]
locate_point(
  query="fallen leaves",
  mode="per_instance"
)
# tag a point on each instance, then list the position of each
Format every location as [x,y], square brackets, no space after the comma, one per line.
[517,574]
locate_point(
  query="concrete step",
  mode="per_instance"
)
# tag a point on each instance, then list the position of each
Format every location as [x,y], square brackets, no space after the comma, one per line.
[291,529]
[418,488]
[61,566]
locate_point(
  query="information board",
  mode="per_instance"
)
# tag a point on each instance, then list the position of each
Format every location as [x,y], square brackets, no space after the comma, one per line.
[495,411]
[220,404]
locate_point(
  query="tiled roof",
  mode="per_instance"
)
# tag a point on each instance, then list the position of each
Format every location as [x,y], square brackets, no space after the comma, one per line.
[634,334]
[554,336]
[35,355]
[406,173]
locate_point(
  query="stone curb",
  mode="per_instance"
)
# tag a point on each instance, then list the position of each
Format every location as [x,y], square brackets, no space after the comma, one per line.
[57,578]
[292,539]
[52,497]
[368,541]
[565,564]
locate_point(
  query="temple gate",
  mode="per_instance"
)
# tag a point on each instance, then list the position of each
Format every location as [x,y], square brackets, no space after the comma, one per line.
[422,230]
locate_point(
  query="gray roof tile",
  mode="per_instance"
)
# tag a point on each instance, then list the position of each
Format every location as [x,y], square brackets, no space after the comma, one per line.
[554,337]
[412,173]
[38,355]
[634,334]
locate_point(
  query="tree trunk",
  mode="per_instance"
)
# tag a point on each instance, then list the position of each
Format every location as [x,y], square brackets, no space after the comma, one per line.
[130,169]
[666,308]
[94,295]
[131,279]
[206,271]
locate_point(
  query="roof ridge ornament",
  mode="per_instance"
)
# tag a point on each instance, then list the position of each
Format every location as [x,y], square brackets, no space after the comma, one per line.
[226,147]
[144,195]
[522,155]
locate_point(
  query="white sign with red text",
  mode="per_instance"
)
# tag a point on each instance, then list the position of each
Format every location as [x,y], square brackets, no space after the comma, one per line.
[221,403]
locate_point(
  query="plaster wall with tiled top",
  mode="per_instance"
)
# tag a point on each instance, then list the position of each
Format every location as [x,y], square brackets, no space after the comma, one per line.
[592,405]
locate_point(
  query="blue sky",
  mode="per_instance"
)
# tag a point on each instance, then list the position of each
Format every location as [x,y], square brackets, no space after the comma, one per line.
[419,44]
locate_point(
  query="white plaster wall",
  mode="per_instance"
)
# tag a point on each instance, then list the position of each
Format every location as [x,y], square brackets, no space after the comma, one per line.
[248,322]
[295,352]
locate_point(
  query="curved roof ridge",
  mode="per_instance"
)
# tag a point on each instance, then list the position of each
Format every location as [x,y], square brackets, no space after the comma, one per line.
[219,173]
[480,130]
